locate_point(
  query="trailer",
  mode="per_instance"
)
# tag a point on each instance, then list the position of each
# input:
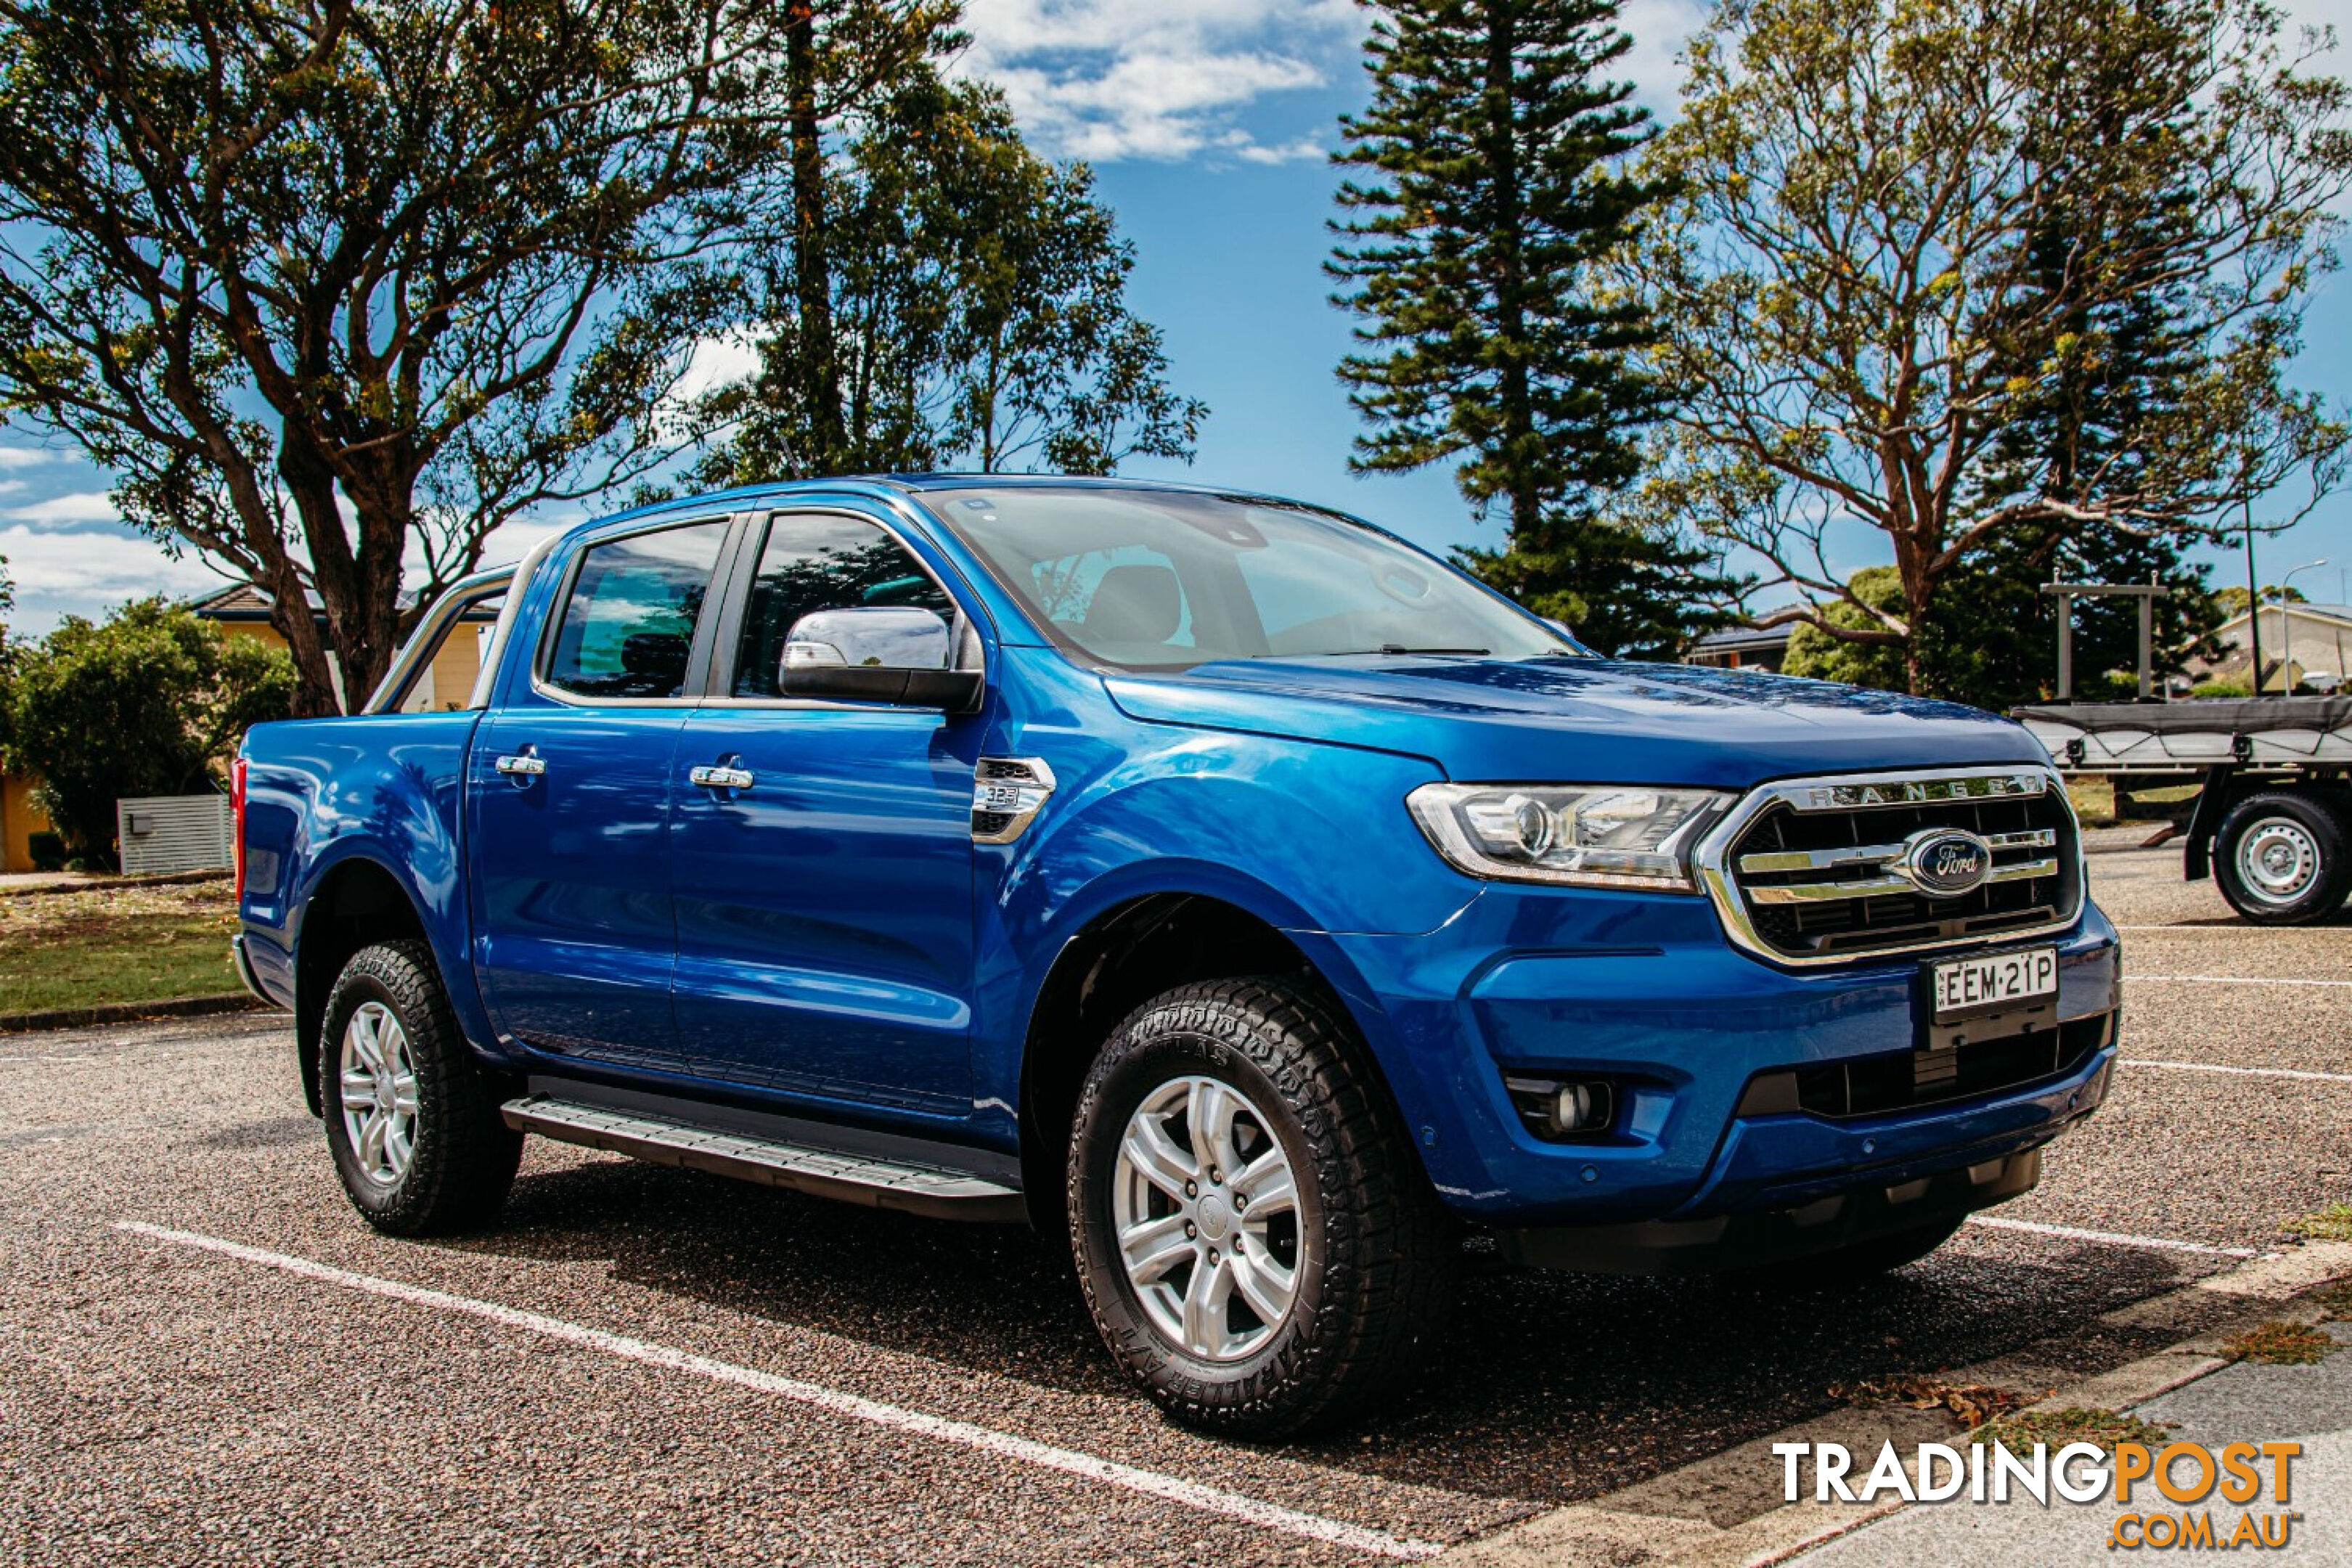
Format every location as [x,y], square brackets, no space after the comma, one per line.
[2271,819]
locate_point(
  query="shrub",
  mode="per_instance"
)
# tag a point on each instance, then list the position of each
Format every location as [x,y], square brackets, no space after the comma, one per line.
[149,702]
[47,850]
[2220,689]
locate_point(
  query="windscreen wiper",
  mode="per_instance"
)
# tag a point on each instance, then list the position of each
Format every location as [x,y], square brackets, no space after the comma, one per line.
[1399,647]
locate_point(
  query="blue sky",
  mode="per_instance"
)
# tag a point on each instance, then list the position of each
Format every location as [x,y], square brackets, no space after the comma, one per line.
[1209,122]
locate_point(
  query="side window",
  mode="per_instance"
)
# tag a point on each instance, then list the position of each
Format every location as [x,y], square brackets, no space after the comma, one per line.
[813,563]
[629,624]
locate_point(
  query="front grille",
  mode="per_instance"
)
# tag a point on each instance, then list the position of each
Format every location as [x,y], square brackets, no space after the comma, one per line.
[1818,873]
[1904,1080]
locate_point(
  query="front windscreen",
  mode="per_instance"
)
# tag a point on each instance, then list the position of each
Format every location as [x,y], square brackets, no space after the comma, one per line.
[1178,577]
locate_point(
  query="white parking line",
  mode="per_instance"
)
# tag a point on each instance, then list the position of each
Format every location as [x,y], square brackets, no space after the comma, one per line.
[2113,1238]
[2244,1072]
[1192,1494]
[2235,980]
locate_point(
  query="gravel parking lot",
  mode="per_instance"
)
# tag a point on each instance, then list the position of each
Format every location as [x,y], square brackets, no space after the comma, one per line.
[646,1364]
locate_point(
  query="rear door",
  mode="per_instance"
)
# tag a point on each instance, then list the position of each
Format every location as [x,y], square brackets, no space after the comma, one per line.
[825,912]
[571,781]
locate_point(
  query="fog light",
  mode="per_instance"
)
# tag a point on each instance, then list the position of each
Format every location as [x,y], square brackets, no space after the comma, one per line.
[1557,1110]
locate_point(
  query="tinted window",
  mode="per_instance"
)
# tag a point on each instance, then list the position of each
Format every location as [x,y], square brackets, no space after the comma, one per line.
[629,624]
[812,563]
[1181,577]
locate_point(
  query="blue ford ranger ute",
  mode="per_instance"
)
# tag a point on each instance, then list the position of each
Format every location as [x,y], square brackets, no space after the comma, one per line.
[1222,881]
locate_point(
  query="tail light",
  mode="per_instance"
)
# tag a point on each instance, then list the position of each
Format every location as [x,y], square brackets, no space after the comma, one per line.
[236,810]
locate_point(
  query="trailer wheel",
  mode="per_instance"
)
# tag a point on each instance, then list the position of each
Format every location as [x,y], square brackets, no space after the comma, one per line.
[2281,859]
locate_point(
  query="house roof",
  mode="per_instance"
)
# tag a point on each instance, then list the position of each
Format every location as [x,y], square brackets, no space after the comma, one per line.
[242,601]
[1740,639]
[2317,612]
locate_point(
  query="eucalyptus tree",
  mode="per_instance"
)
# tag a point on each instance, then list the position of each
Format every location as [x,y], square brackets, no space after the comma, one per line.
[328,284]
[1988,275]
[967,307]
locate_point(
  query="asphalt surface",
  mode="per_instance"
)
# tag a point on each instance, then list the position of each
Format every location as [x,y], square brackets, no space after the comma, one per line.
[162,1400]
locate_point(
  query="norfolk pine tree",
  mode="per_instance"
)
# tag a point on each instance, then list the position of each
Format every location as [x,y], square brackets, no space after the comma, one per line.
[1493,186]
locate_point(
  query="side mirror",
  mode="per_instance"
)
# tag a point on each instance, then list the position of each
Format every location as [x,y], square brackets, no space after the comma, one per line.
[895,654]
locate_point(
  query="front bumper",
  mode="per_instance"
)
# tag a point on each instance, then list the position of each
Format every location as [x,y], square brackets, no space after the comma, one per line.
[1644,991]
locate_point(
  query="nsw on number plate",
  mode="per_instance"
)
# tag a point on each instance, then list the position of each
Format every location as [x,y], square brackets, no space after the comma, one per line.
[1994,980]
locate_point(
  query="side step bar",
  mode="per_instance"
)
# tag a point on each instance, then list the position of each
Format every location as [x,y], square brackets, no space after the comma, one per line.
[857,1179]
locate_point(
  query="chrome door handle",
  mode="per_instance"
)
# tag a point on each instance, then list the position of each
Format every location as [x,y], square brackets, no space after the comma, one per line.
[721,778]
[521,767]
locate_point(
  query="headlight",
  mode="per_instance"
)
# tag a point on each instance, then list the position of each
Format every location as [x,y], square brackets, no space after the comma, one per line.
[1594,836]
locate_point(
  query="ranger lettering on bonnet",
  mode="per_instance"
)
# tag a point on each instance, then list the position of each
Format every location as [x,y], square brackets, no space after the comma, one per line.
[1213,879]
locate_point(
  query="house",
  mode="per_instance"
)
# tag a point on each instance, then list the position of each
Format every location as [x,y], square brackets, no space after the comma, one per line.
[2305,643]
[1742,647]
[19,820]
[242,610]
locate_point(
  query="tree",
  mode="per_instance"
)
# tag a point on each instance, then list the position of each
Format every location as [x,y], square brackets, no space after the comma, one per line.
[1909,238]
[1493,185]
[325,281]
[150,702]
[1992,639]
[1816,651]
[969,298]
[2232,601]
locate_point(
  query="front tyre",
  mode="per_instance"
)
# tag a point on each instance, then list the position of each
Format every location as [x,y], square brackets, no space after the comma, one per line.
[2280,859]
[412,1117]
[1257,1243]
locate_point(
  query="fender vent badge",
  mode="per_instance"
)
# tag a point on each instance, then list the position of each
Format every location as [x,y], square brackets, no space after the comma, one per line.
[1007,792]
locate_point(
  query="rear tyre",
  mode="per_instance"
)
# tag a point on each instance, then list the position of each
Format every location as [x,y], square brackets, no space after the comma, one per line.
[2281,859]
[1258,1242]
[412,1117]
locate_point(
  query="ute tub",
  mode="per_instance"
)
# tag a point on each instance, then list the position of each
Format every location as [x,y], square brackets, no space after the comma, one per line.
[1682,1024]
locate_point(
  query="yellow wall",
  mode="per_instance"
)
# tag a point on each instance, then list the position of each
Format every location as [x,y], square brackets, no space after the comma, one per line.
[19,820]
[455,665]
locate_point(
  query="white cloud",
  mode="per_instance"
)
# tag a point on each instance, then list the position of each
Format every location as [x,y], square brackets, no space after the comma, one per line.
[75,506]
[84,572]
[23,457]
[713,363]
[1653,65]
[1306,149]
[1105,80]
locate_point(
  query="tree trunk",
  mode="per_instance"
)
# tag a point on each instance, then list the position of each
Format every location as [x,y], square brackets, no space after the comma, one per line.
[819,367]
[1521,483]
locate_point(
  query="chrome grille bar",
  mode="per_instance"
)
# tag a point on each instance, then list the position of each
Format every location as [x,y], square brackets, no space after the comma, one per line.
[1866,854]
[1873,887]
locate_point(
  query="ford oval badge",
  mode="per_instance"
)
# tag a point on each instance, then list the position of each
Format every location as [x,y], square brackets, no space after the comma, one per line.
[1946,862]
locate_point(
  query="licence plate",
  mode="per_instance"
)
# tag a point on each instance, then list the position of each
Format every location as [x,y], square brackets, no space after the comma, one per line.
[1978,985]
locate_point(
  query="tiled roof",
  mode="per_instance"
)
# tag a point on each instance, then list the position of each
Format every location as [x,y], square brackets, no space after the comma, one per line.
[244,602]
[1741,637]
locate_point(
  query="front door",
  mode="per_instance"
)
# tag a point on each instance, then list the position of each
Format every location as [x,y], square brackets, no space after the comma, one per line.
[824,907]
[571,786]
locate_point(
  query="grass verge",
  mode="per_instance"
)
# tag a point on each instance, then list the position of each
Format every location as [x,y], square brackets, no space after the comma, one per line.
[124,943]
[2106,1428]
[2280,1344]
[2333,1222]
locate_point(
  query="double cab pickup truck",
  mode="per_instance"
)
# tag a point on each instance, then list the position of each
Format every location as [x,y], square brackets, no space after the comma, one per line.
[1216,879]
